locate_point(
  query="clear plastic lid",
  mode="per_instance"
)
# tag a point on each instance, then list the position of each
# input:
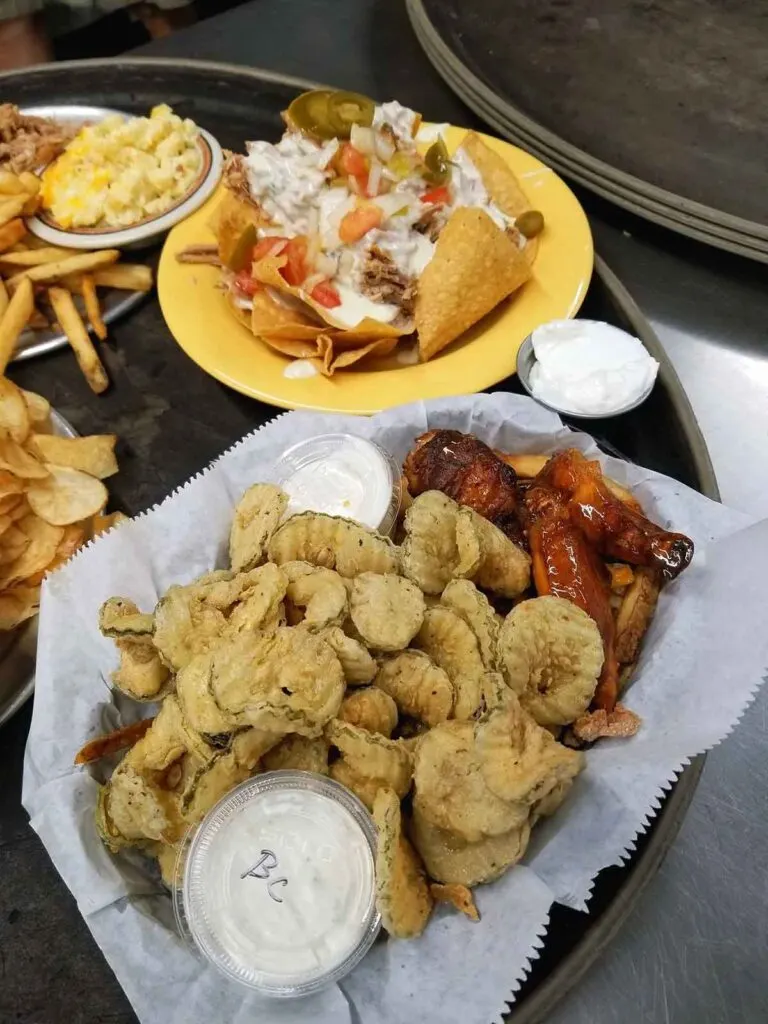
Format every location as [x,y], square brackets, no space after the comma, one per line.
[277,885]
[342,475]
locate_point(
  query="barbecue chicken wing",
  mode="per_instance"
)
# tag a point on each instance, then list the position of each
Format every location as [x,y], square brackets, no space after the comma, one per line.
[468,471]
[615,529]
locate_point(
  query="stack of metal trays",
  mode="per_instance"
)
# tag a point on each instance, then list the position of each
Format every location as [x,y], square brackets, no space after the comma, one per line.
[657,107]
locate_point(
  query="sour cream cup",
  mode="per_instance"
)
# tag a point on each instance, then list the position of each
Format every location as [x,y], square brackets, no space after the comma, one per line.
[341,475]
[276,887]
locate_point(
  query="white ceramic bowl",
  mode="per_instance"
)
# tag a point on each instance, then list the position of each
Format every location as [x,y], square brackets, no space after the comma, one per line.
[147,231]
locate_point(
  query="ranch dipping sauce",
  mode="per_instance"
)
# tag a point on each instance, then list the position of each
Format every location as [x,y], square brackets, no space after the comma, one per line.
[341,475]
[279,883]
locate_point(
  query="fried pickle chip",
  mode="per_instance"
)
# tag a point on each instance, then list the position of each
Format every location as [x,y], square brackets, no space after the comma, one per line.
[356,662]
[474,267]
[299,753]
[452,790]
[452,862]
[320,592]
[105,827]
[250,745]
[429,554]
[387,610]
[211,782]
[372,756]
[635,613]
[137,808]
[402,893]
[185,625]
[289,681]
[364,789]
[193,688]
[419,687]
[504,568]
[333,543]
[551,653]
[260,604]
[141,675]
[256,518]
[520,761]
[120,619]
[459,896]
[463,597]
[370,708]
[452,645]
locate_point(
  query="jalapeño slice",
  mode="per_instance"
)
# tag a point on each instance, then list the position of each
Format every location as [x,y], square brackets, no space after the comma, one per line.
[437,163]
[348,108]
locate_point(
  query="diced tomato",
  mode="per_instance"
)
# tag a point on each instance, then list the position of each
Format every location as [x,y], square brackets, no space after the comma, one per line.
[264,247]
[246,284]
[359,222]
[295,269]
[352,161]
[325,295]
[437,196]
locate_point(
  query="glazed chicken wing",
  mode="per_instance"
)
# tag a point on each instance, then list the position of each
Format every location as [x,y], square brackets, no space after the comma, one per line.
[564,564]
[615,529]
[468,471]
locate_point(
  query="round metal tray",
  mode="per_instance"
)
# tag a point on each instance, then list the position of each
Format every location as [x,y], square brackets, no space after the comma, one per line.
[237,104]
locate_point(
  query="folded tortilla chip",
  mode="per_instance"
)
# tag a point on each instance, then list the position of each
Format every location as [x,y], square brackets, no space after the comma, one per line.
[474,267]
[346,358]
[230,219]
[500,182]
[277,319]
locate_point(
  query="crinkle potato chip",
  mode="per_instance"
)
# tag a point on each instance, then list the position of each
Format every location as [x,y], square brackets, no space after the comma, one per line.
[299,753]
[519,760]
[14,412]
[94,455]
[40,542]
[504,568]
[552,653]
[20,462]
[402,893]
[364,789]
[452,790]
[371,756]
[17,605]
[289,681]
[419,687]
[255,519]
[320,592]
[333,543]
[474,267]
[119,618]
[387,610]
[459,896]
[452,645]
[10,485]
[370,708]
[66,496]
[465,599]
[357,664]
[455,863]
[429,552]
[39,408]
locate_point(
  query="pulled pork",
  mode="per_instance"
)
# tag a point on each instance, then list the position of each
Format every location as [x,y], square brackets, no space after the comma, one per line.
[383,281]
[28,143]
[236,177]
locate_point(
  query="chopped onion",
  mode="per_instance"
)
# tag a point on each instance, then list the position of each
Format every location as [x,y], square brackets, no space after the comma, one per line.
[278,247]
[353,185]
[374,178]
[325,264]
[346,263]
[391,203]
[313,249]
[363,139]
[313,221]
[385,148]
[311,282]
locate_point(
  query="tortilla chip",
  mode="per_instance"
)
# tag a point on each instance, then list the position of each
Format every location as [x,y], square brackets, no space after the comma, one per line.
[273,319]
[474,267]
[243,316]
[333,360]
[230,218]
[500,182]
[293,349]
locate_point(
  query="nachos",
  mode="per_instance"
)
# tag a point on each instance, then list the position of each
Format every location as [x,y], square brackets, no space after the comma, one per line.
[359,228]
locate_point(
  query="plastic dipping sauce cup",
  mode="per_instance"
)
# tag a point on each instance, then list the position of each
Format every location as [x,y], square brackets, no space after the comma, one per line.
[276,887]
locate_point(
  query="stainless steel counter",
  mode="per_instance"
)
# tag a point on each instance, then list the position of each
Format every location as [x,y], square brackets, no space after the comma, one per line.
[695,949]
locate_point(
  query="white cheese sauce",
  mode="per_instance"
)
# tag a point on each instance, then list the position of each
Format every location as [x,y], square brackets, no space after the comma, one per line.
[402,120]
[355,308]
[585,366]
[279,886]
[287,178]
[468,189]
[341,475]
[300,369]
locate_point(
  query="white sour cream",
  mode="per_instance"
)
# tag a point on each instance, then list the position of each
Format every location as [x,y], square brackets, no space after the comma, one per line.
[402,120]
[279,883]
[589,367]
[300,369]
[287,178]
[341,475]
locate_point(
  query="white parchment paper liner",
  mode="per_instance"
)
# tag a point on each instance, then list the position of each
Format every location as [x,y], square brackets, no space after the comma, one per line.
[702,661]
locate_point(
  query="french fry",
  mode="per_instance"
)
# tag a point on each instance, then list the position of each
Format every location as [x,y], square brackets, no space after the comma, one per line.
[11,207]
[132,277]
[11,184]
[32,257]
[77,335]
[3,298]
[11,233]
[92,308]
[70,265]
[15,317]
[30,182]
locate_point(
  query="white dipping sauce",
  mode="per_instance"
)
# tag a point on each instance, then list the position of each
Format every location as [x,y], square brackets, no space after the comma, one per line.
[586,366]
[341,475]
[279,883]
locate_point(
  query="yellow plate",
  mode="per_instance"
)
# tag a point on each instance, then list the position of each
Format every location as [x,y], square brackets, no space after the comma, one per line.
[197,315]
